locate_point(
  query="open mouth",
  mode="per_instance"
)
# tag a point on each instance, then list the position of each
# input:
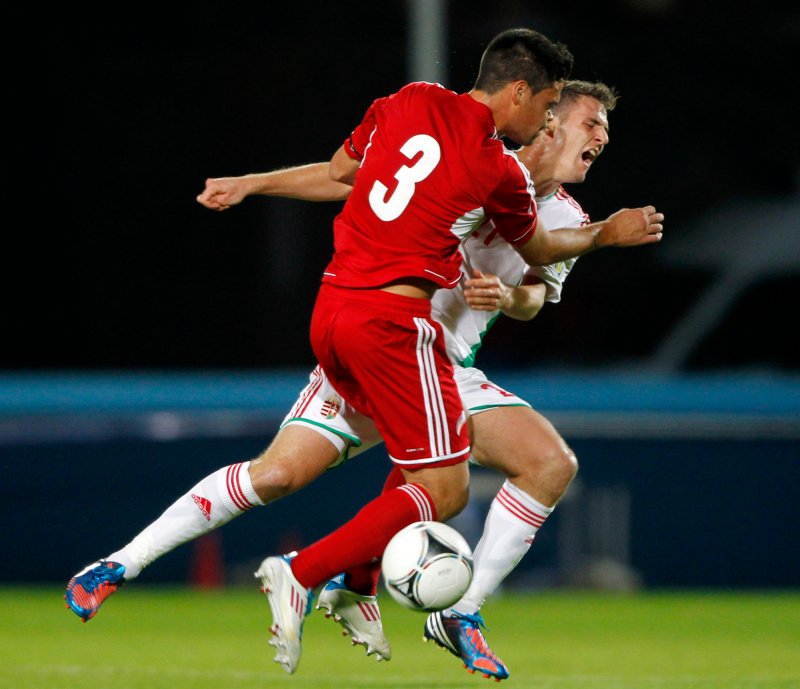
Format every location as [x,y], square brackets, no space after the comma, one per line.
[589,156]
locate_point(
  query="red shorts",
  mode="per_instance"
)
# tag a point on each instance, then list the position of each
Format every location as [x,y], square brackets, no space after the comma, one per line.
[386,356]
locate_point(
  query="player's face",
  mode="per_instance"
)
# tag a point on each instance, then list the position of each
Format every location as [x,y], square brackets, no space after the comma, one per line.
[533,113]
[580,135]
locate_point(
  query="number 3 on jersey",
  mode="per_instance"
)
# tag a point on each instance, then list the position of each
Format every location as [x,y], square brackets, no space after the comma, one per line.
[388,209]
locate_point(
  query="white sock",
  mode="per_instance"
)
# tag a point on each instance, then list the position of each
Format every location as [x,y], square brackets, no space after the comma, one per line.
[512,522]
[217,499]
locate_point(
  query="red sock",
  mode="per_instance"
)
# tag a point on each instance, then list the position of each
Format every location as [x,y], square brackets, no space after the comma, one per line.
[363,579]
[365,536]
[395,479]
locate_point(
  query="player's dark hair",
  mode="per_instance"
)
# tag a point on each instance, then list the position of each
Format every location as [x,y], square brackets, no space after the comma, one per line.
[522,54]
[575,88]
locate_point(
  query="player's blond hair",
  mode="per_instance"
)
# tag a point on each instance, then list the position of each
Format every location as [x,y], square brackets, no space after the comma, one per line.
[575,88]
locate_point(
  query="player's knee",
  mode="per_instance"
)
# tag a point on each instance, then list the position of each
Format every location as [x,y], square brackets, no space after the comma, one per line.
[544,471]
[271,480]
[451,501]
[556,460]
[562,466]
[566,463]
[447,488]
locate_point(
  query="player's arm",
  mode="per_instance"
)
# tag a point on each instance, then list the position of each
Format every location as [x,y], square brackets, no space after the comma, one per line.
[347,158]
[626,227]
[305,182]
[343,167]
[486,292]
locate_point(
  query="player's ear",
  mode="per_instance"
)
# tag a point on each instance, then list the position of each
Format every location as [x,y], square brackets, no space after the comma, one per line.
[518,91]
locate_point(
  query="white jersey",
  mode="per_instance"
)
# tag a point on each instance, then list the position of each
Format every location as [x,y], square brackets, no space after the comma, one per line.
[485,250]
[321,408]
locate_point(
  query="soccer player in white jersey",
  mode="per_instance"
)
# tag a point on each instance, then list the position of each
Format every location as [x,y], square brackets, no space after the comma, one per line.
[322,429]
[507,434]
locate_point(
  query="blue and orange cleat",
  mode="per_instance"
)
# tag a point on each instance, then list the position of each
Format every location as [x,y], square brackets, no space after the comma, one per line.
[461,635]
[88,589]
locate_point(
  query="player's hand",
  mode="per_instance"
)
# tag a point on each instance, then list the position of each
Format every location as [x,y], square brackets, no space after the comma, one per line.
[221,193]
[632,227]
[486,292]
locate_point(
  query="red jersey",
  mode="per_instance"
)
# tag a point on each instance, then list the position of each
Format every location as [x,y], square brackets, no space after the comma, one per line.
[432,171]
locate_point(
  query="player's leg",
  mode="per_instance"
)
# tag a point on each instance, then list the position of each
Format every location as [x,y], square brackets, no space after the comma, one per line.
[522,444]
[316,433]
[289,581]
[512,438]
[296,457]
[364,578]
[351,598]
[394,370]
[363,539]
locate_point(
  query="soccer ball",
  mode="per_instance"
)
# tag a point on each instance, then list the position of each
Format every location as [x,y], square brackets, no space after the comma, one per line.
[427,566]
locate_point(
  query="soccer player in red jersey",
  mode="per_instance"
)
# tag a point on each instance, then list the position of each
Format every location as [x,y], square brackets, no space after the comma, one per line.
[378,282]
[427,168]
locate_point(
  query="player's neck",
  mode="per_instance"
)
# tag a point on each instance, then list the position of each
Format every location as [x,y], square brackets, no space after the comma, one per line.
[545,187]
[497,103]
[480,96]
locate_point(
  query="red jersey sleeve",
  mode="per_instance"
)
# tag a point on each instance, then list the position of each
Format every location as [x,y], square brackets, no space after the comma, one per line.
[512,204]
[356,144]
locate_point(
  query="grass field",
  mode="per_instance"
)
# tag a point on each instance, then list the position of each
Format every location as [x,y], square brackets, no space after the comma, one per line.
[162,638]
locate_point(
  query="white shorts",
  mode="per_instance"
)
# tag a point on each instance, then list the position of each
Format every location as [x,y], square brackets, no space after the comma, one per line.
[325,411]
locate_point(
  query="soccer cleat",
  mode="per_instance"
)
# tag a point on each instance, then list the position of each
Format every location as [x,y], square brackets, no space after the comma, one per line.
[289,603]
[461,635]
[87,590]
[358,614]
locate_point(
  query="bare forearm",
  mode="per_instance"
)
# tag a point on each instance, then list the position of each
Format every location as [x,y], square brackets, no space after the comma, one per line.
[627,227]
[524,302]
[559,245]
[305,182]
[342,167]
[486,292]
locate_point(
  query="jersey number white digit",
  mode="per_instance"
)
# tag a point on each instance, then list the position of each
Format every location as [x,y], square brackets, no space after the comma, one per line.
[407,177]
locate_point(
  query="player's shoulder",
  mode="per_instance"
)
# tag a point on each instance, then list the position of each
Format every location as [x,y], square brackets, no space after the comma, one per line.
[509,164]
[427,89]
[563,203]
[422,99]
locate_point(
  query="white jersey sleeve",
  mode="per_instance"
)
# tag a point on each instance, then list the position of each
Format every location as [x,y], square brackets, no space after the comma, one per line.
[464,328]
[557,210]
[485,250]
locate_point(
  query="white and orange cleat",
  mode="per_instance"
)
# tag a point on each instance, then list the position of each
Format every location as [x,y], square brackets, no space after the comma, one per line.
[358,614]
[289,602]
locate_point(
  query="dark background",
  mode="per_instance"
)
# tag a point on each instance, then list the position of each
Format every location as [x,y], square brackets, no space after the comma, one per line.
[114,120]
[115,116]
